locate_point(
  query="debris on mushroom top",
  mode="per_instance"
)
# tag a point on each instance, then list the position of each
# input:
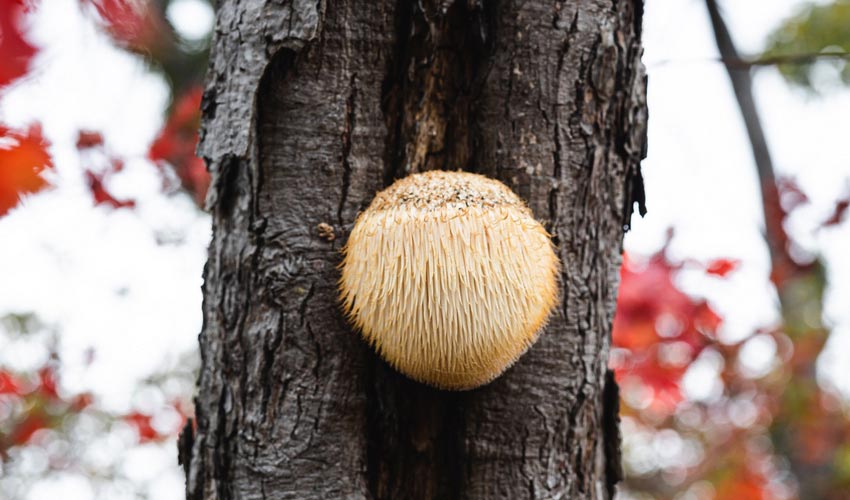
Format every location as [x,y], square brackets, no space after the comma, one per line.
[434,190]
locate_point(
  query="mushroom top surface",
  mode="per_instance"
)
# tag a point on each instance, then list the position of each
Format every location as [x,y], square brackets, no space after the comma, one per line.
[435,190]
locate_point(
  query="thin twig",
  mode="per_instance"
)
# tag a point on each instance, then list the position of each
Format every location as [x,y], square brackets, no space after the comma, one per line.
[776,60]
[803,58]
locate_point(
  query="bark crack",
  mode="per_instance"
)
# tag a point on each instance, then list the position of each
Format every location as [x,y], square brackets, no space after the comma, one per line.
[347,132]
[270,353]
[611,433]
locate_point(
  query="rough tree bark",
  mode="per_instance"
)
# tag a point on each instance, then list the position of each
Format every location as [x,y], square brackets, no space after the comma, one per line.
[313,106]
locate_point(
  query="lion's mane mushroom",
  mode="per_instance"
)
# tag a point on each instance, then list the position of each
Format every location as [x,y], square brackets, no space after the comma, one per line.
[449,277]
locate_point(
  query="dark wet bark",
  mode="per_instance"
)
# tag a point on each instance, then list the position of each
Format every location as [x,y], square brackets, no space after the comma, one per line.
[312,107]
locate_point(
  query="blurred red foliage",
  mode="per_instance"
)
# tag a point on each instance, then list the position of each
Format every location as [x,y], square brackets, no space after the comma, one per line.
[741,483]
[658,328]
[34,401]
[88,139]
[722,267]
[103,166]
[23,156]
[838,212]
[15,51]
[101,195]
[39,403]
[142,424]
[175,145]
[779,201]
[659,331]
[9,383]
[131,23]
[775,433]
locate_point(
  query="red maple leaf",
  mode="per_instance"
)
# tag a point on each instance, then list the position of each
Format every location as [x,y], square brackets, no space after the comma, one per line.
[47,382]
[781,198]
[705,320]
[659,327]
[23,156]
[650,307]
[650,371]
[9,384]
[722,267]
[87,139]
[141,422]
[82,401]
[791,195]
[15,52]
[741,484]
[33,423]
[838,212]
[101,195]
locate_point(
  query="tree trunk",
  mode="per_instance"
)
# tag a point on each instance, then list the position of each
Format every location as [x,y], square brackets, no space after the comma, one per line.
[312,107]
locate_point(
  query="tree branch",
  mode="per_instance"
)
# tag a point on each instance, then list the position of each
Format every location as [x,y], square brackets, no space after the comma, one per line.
[742,84]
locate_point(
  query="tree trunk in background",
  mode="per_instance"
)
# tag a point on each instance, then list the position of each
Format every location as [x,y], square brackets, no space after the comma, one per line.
[312,107]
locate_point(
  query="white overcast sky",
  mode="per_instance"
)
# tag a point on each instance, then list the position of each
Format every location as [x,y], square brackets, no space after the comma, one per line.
[102,277]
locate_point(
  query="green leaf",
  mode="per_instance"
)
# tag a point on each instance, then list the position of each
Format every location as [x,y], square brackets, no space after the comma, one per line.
[815,29]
